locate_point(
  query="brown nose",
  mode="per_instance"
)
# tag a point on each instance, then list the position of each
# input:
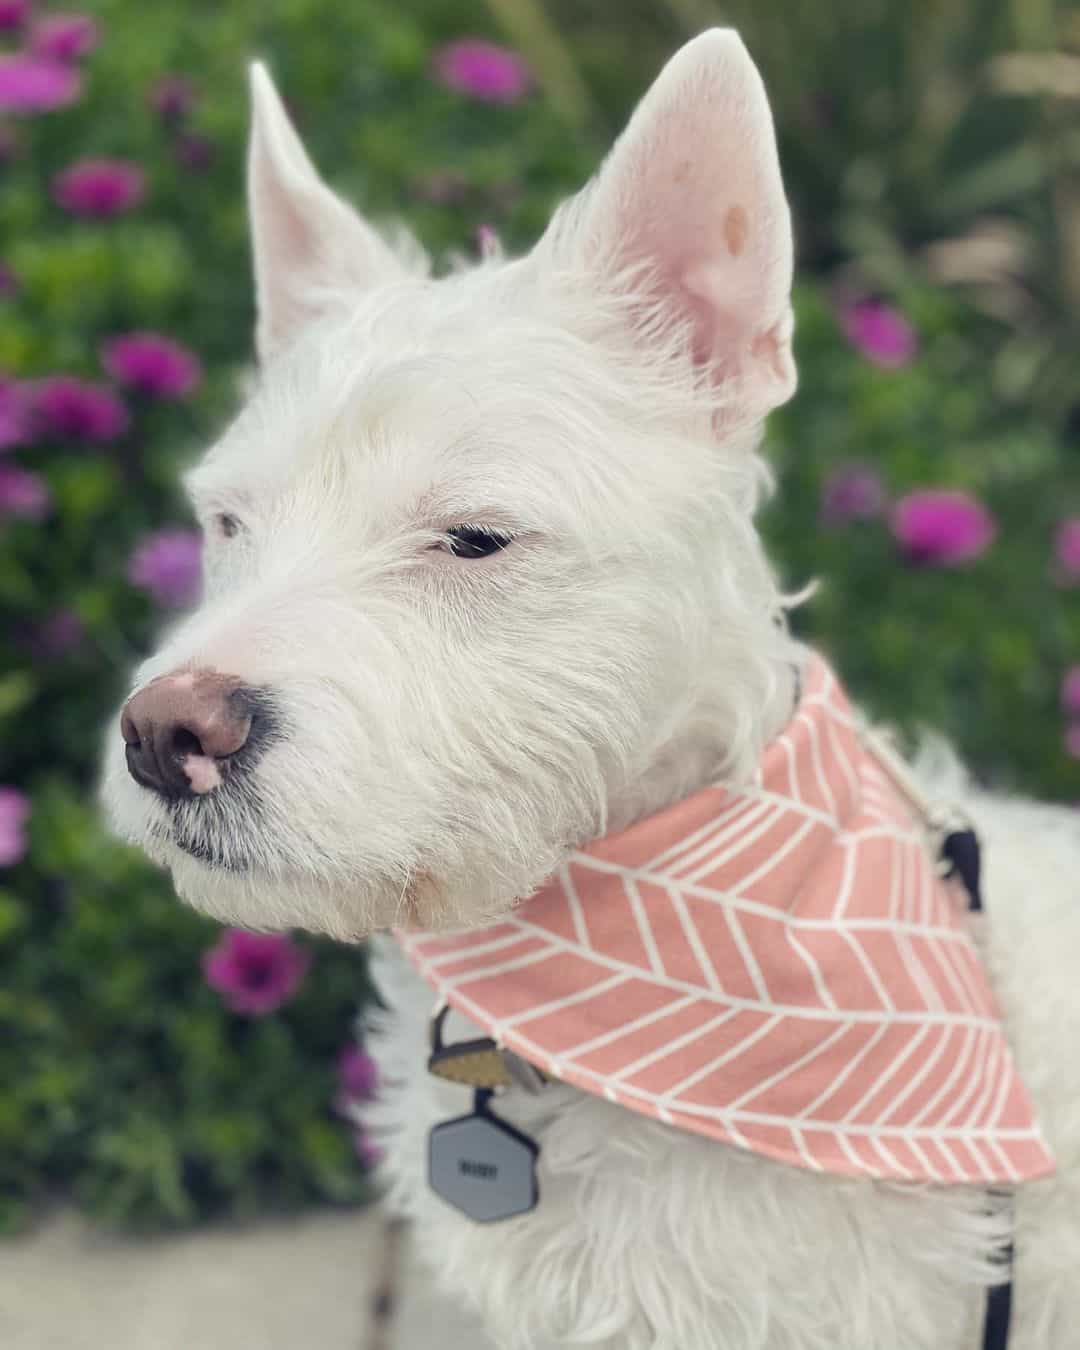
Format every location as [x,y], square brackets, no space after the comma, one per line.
[180,728]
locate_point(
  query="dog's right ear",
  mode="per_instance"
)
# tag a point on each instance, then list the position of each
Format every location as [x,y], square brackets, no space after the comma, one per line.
[309,247]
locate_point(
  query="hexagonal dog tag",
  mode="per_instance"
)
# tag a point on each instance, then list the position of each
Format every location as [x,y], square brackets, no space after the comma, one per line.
[483,1166]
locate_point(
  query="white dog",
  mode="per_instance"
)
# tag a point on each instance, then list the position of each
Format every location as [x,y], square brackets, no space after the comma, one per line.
[483,585]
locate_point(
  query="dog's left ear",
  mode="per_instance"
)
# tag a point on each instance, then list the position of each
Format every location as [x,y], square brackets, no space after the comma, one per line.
[310,248]
[691,200]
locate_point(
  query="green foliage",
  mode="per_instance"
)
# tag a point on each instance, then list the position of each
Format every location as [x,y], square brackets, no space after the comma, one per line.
[123,1078]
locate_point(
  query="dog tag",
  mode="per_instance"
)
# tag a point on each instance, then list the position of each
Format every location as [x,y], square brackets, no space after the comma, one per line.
[483,1166]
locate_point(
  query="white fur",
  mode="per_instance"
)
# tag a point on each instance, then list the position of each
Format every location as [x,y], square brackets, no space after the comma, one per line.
[449,728]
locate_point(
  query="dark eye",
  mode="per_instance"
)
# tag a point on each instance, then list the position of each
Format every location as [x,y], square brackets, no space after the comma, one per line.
[474,541]
[229,525]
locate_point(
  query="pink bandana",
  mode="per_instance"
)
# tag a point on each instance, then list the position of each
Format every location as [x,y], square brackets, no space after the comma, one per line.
[780,968]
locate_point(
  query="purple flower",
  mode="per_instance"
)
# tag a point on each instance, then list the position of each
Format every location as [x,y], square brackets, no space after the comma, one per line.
[152,364]
[880,332]
[172,98]
[23,495]
[852,492]
[1072,739]
[358,1075]
[13,14]
[168,564]
[369,1153]
[935,526]
[1070,691]
[64,37]
[255,973]
[1067,551]
[80,409]
[194,153]
[15,422]
[14,813]
[31,84]
[483,70]
[99,187]
[60,633]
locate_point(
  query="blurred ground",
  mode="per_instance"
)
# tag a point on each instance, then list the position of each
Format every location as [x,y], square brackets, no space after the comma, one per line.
[275,1286]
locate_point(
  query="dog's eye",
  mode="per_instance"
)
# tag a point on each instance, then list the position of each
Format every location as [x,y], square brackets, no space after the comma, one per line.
[228,525]
[474,541]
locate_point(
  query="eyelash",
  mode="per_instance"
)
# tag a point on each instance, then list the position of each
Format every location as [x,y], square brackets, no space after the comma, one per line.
[227,524]
[475,541]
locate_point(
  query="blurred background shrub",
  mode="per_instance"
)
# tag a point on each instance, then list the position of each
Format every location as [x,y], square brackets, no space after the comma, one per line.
[928,466]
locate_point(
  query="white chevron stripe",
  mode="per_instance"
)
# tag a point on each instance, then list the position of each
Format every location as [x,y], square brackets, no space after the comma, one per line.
[557,1005]
[644,928]
[898,1062]
[789,1069]
[670,1097]
[971,1036]
[742,843]
[627,1028]
[573,901]
[927,1066]
[673,1047]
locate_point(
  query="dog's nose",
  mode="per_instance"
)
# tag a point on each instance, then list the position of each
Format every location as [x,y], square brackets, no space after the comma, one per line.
[181,727]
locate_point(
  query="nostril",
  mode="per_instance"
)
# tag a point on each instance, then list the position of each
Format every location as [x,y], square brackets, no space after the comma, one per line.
[185,742]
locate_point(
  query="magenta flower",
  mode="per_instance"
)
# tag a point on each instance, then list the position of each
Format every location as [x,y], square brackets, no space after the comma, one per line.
[852,492]
[369,1153]
[14,813]
[99,187]
[1067,552]
[64,37]
[880,333]
[15,421]
[152,364]
[168,564]
[255,973]
[483,70]
[13,14]
[172,98]
[80,409]
[23,495]
[358,1075]
[942,528]
[31,84]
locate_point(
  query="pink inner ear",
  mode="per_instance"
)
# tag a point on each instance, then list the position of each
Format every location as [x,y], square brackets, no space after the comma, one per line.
[693,191]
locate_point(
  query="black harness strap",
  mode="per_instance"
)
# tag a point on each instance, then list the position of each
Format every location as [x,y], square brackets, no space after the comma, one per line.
[960,850]
[998,1316]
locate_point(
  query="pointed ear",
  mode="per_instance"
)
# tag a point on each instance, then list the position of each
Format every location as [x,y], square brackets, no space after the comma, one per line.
[310,248]
[691,199]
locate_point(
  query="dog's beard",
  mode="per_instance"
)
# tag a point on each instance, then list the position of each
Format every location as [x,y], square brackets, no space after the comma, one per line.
[222,830]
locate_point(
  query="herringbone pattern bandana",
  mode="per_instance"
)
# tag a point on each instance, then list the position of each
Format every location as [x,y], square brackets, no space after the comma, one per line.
[779,968]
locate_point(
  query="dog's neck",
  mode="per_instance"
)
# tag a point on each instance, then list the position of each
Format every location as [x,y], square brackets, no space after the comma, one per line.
[689,760]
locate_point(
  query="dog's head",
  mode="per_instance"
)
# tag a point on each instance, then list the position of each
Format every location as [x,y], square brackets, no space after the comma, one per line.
[481,573]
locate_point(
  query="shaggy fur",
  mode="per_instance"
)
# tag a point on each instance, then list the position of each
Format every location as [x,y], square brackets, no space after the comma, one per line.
[440,731]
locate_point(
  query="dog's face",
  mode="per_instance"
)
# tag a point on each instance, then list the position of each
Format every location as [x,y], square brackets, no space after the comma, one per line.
[479,551]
